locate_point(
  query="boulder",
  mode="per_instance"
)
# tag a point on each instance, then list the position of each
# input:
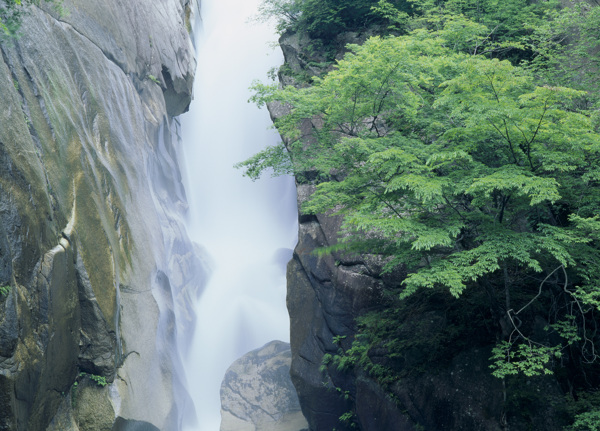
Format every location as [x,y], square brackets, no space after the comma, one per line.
[257,393]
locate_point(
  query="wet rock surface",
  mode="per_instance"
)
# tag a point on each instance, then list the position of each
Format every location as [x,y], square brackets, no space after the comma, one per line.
[257,393]
[92,248]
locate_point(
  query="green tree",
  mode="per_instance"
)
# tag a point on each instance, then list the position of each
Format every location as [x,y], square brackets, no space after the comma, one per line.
[324,19]
[463,169]
[565,48]
[509,23]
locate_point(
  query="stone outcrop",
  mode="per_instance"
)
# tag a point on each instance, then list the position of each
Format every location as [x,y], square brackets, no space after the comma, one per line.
[325,295]
[92,249]
[257,393]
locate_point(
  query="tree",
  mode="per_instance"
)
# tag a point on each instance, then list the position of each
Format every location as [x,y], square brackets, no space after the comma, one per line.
[463,169]
[565,47]
[324,19]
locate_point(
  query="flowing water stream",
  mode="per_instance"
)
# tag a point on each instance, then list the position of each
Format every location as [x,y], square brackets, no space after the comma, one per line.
[247,229]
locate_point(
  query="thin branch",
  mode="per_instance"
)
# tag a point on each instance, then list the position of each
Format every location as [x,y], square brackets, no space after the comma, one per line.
[491,78]
[386,203]
[504,203]
[486,38]
[537,129]
[383,84]
[507,138]
[454,208]
[585,337]
[540,290]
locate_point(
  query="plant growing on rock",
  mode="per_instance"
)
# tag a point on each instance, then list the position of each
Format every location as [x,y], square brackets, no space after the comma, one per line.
[467,171]
[324,19]
[12,11]
[99,380]
[154,79]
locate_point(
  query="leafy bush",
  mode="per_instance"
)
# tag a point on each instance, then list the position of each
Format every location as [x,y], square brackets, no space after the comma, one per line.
[324,19]
[99,380]
[588,421]
[508,22]
[461,168]
[443,154]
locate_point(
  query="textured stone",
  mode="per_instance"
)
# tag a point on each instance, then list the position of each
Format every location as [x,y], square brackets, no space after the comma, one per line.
[91,209]
[257,393]
[94,411]
[64,419]
[97,343]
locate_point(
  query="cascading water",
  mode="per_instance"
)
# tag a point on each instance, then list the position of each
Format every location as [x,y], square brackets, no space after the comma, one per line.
[247,229]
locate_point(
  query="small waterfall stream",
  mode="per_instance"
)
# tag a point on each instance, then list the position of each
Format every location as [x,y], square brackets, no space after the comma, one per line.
[247,229]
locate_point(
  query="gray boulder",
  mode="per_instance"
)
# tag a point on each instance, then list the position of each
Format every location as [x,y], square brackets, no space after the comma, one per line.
[257,393]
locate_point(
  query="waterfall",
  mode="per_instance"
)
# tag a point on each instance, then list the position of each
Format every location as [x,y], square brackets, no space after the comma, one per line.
[248,229]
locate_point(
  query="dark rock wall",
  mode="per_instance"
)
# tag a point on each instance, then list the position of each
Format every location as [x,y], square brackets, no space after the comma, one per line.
[91,242]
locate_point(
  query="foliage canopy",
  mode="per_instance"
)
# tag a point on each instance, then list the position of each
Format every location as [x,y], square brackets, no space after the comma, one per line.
[324,19]
[470,165]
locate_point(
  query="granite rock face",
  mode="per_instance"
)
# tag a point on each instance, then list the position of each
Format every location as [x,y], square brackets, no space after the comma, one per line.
[99,267]
[257,393]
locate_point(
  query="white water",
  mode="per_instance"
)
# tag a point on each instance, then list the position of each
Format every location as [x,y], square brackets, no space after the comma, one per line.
[242,225]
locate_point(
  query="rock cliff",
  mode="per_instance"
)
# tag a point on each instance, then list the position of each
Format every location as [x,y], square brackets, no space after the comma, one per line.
[93,256]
